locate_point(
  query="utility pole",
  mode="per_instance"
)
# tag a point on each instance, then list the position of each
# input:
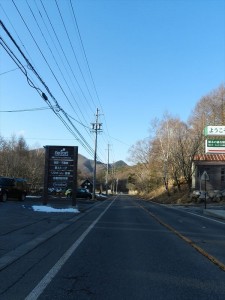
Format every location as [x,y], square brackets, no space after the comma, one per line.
[113,179]
[107,173]
[96,128]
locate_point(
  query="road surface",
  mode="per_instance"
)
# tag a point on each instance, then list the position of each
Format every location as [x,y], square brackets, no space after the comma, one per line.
[123,248]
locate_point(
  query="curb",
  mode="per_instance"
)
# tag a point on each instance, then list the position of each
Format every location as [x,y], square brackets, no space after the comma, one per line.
[215,213]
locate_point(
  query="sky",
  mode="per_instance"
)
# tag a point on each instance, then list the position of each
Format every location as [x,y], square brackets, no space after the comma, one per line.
[133,60]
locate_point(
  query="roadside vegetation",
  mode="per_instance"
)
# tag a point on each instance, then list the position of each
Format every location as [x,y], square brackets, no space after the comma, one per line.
[161,165]
[163,161]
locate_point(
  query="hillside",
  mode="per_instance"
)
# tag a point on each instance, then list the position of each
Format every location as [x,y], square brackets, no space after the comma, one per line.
[86,166]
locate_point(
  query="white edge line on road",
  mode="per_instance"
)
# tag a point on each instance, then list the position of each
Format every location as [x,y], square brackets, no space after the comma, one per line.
[38,290]
[188,212]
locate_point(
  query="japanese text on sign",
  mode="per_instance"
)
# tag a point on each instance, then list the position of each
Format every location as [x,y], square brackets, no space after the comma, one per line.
[216,143]
[214,130]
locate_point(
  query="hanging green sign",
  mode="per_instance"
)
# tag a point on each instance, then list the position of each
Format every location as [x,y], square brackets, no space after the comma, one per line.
[215,143]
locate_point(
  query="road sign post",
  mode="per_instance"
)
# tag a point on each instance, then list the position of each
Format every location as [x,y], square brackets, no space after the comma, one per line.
[60,170]
[205,177]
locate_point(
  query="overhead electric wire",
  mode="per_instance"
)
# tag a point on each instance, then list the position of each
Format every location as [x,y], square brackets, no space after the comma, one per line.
[10,53]
[57,66]
[19,64]
[59,43]
[42,56]
[85,55]
[52,40]
[27,61]
[74,51]
[66,33]
[67,116]
[24,110]
[57,36]
[83,142]
[82,138]
[9,71]
[88,65]
[16,32]
[21,67]
[78,121]
[82,92]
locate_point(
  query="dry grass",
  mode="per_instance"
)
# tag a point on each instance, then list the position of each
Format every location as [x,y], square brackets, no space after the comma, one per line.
[182,197]
[161,196]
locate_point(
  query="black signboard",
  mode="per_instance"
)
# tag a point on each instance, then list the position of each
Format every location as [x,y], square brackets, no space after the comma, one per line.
[60,170]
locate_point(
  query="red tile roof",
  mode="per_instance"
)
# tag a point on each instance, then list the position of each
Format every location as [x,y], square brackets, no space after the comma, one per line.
[210,157]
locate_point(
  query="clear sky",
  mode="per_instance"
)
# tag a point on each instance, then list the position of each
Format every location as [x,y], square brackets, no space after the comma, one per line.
[146,57]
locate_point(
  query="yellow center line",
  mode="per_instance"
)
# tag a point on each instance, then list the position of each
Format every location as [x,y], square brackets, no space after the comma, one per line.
[187,240]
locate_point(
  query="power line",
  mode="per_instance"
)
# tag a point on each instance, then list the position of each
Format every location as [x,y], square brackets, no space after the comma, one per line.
[24,110]
[85,55]
[9,71]
[67,118]
[15,32]
[82,141]
[65,56]
[73,51]
[18,63]
[88,65]
[56,64]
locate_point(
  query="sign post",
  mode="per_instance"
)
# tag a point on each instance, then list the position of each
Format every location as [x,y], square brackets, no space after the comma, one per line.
[60,170]
[205,177]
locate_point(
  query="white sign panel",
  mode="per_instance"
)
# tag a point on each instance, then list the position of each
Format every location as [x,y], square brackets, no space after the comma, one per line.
[214,130]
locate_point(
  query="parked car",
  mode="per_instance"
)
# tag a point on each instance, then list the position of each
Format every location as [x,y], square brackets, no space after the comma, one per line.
[13,188]
[81,193]
[101,196]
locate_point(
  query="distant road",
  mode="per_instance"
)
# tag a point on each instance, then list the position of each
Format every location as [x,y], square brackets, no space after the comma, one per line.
[123,248]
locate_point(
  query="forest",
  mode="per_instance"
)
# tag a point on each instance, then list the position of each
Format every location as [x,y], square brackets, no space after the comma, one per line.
[164,159]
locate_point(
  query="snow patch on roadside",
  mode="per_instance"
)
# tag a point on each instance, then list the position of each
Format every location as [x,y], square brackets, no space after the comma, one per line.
[49,209]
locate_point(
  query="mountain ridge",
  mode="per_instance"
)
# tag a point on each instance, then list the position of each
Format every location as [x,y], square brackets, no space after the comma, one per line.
[86,166]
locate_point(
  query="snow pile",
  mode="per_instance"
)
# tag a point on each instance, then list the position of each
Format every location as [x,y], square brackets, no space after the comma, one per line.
[50,209]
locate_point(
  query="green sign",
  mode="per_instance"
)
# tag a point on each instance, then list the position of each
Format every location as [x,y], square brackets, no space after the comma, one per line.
[215,143]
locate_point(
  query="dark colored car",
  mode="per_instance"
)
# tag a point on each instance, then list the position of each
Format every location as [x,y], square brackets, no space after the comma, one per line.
[83,193]
[13,188]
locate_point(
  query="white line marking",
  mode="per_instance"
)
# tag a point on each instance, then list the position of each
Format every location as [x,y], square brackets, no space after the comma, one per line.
[188,212]
[38,290]
[197,215]
[205,217]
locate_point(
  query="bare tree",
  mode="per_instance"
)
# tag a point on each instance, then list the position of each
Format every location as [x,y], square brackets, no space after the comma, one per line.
[140,157]
[170,152]
[210,110]
[16,160]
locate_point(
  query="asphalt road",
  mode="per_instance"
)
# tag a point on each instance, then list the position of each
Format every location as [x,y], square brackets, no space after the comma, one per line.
[122,248]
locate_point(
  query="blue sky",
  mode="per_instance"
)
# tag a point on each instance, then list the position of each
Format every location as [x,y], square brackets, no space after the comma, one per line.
[146,57]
